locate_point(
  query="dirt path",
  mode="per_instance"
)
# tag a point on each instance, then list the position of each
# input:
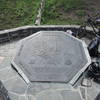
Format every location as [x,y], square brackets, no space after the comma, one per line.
[92,8]
[94,4]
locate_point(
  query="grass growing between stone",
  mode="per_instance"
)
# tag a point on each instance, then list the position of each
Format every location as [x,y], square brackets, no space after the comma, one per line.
[15,13]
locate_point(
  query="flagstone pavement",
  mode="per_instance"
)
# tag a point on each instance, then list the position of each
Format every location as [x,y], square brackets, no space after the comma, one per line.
[19,90]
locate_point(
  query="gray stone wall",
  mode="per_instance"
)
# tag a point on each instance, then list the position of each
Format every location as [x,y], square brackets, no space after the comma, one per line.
[20,32]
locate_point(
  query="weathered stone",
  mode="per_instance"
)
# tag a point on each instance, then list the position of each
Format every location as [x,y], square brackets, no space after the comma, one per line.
[93,92]
[5,51]
[7,73]
[5,63]
[1,59]
[71,95]
[23,98]
[30,97]
[61,86]
[86,82]
[37,87]
[49,95]
[51,56]
[83,92]
[16,85]
[98,96]
[3,92]
[13,96]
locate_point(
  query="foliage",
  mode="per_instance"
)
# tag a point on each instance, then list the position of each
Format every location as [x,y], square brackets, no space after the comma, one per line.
[51,14]
[63,22]
[80,13]
[14,13]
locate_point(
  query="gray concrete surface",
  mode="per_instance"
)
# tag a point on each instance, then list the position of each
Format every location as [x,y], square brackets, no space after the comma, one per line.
[52,56]
[19,90]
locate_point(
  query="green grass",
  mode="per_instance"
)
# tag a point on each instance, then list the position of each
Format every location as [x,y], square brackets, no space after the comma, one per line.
[63,22]
[69,4]
[80,13]
[54,8]
[15,13]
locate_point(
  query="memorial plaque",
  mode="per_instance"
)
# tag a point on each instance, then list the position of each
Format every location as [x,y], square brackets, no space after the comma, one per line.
[51,56]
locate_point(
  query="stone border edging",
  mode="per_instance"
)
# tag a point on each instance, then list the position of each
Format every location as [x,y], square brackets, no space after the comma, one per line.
[20,32]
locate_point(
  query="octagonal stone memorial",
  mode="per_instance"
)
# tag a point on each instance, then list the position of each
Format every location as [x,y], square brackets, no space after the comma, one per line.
[51,56]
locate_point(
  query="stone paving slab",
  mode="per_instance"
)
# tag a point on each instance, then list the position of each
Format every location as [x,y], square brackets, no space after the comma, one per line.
[1,59]
[83,91]
[38,87]
[22,98]
[30,97]
[71,95]
[19,90]
[49,95]
[5,63]
[7,49]
[43,56]
[16,85]
[93,91]
[13,96]
[7,73]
